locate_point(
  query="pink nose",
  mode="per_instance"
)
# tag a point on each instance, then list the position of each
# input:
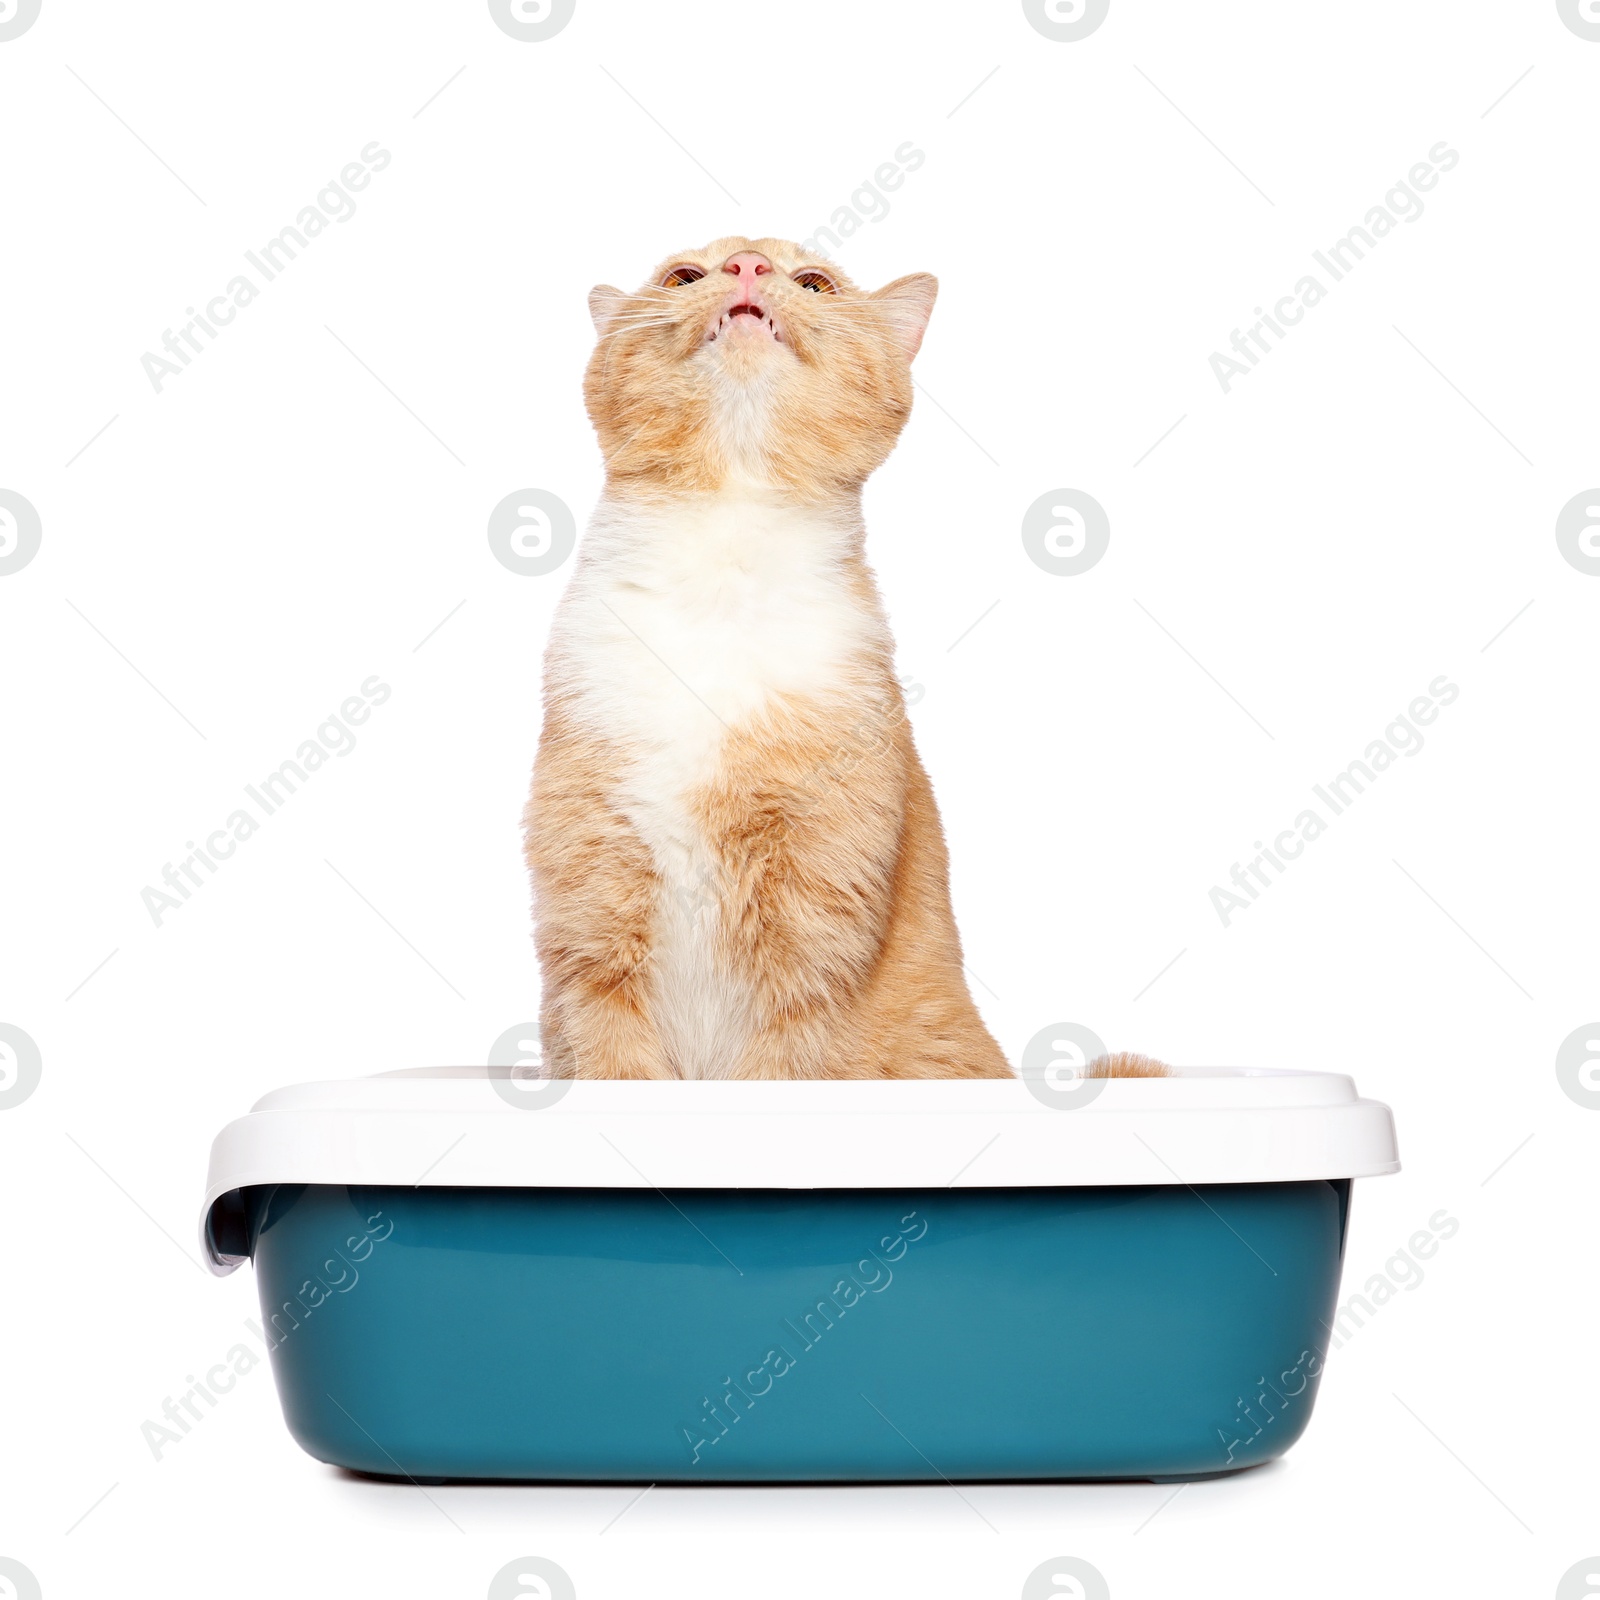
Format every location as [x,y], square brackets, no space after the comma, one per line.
[747,266]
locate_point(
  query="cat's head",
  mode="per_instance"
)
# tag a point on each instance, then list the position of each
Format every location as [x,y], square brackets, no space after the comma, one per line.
[752,359]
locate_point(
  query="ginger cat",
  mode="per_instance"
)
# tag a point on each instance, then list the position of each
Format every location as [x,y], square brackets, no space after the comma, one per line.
[737,865]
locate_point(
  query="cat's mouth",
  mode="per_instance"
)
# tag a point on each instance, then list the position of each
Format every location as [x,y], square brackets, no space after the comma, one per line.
[746,320]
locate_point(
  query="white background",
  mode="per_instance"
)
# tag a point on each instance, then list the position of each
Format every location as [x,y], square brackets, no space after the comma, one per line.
[1289,566]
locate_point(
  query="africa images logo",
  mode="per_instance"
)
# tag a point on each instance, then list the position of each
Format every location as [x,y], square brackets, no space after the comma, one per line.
[16,17]
[21,532]
[531,21]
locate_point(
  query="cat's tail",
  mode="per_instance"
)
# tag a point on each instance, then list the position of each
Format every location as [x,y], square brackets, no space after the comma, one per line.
[1125,1064]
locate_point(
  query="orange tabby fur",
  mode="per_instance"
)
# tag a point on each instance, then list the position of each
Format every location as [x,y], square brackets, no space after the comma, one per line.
[784,909]
[1125,1064]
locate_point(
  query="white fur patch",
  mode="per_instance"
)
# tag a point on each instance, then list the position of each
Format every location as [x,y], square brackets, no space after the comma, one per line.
[680,624]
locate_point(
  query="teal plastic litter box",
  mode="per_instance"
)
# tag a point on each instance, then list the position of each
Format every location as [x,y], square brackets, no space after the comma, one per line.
[464,1275]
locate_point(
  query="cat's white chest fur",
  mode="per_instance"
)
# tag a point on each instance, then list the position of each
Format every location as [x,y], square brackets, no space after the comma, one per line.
[681,624]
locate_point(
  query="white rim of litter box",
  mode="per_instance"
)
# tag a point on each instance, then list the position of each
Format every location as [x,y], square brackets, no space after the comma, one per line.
[477,1127]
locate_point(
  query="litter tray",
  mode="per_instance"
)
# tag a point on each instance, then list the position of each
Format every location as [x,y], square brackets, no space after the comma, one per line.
[469,1276]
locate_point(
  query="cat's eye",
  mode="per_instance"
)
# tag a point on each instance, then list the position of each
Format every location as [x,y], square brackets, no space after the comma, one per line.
[685,273]
[816,281]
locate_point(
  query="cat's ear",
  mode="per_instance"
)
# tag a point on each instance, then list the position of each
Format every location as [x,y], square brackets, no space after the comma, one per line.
[909,302]
[604,303]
